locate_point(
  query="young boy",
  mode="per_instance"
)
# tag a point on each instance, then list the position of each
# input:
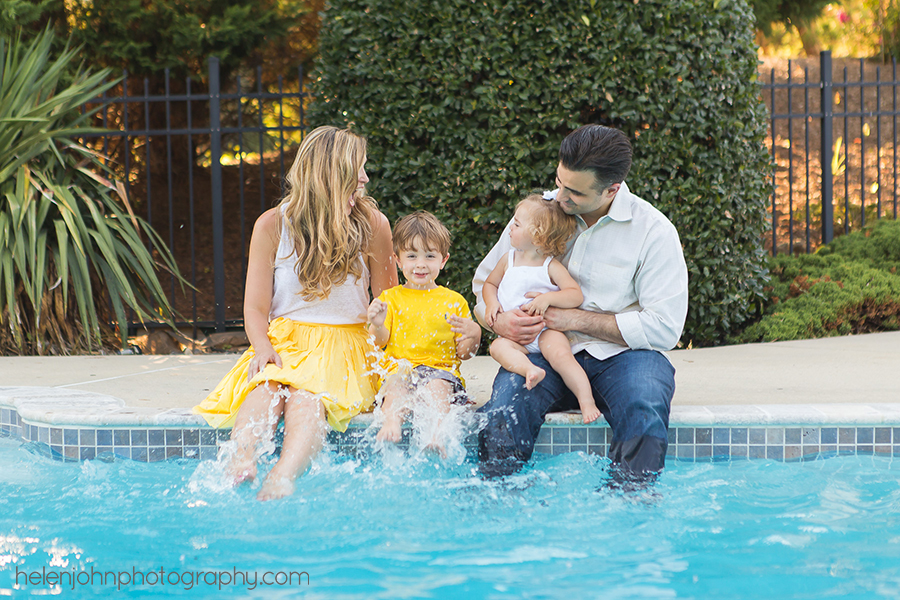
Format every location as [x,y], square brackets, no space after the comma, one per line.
[421,324]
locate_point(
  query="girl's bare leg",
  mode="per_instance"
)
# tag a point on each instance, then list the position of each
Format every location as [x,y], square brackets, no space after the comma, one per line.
[556,349]
[514,358]
[255,421]
[305,428]
[394,407]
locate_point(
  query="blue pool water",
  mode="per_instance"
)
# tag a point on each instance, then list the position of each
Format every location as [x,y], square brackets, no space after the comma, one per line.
[400,526]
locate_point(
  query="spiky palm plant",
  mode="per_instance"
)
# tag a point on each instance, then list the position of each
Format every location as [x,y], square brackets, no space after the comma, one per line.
[66,230]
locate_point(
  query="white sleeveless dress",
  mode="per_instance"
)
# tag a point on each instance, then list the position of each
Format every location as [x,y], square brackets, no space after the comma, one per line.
[518,281]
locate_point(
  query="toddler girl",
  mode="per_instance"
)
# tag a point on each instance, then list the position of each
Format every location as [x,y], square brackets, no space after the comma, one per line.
[533,280]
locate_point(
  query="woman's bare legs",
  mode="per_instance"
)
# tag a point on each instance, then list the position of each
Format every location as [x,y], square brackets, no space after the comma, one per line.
[255,422]
[514,358]
[305,428]
[556,349]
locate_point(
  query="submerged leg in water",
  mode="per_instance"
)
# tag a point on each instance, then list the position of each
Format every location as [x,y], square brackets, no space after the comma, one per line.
[254,425]
[305,429]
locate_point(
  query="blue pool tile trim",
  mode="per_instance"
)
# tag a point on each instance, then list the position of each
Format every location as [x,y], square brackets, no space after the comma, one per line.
[701,443]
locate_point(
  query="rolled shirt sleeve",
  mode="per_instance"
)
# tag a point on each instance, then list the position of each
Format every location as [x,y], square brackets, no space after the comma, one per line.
[660,285]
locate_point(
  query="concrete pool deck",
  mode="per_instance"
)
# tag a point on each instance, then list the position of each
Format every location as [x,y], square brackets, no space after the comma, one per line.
[820,393]
[841,371]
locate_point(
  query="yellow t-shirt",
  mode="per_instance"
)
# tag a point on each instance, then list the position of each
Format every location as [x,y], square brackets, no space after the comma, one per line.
[419,329]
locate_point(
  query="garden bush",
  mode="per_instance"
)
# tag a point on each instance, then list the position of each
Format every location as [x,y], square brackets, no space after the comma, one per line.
[465,103]
[849,286]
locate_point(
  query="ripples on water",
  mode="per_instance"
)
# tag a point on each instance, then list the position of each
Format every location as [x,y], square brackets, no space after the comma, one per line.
[395,525]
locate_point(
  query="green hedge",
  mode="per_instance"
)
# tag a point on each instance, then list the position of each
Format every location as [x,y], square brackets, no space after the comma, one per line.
[849,286]
[465,103]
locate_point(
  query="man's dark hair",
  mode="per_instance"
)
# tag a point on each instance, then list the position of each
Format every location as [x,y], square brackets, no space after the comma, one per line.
[602,150]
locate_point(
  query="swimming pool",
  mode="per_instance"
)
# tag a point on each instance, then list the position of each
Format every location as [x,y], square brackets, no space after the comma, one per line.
[403,525]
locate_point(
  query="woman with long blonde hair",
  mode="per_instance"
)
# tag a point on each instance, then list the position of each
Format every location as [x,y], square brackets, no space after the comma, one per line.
[313,260]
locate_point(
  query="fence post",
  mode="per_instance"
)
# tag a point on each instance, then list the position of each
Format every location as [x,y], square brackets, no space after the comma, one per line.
[215,131]
[827,146]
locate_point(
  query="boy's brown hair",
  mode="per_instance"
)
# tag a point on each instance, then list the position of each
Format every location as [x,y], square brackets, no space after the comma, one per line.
[424,226]
[551,228]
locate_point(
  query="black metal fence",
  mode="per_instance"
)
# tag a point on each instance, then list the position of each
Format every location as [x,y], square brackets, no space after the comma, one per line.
[200,165]
[833,138]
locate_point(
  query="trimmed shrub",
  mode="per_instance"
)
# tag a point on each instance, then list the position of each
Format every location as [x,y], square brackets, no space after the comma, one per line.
[877,245]
[849,286]
[465,104]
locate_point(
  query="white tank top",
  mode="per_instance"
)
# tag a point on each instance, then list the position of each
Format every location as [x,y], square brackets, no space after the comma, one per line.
[519,280]
[346,303]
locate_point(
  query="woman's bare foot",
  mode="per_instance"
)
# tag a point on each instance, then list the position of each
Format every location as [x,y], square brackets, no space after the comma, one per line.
[240,466]
[276,486]
[533,376]
[242,471]
[391,431]
[589,412]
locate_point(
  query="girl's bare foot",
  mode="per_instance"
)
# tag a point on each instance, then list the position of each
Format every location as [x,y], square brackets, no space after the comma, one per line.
[390,431]
[276,486]
[533,376]
[590,412]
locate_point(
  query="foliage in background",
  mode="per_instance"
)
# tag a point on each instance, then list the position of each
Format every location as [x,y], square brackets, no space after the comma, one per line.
[891,29]
[465,105]
[148,36]
[849,28]
[21,13]
[849,286]
[800,14]
[70,246]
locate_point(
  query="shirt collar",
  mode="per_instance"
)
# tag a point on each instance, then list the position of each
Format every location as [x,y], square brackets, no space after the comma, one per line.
[620,210]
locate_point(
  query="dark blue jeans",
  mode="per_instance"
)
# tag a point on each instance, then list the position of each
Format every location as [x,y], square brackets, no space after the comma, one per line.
[633,390]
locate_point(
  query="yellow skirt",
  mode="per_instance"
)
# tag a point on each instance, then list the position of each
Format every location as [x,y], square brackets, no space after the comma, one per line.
[327,360]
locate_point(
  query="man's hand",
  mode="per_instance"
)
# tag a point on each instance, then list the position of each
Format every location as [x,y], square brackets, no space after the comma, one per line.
[518,326]
[599,325]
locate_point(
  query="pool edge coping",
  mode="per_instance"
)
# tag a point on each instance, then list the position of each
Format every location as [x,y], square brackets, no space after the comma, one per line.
[60,407]
[74,425]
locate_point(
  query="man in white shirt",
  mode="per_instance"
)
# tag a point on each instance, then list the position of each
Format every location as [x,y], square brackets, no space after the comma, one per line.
[628,260]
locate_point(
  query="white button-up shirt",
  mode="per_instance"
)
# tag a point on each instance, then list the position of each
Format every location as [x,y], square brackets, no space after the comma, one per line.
[629,263]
